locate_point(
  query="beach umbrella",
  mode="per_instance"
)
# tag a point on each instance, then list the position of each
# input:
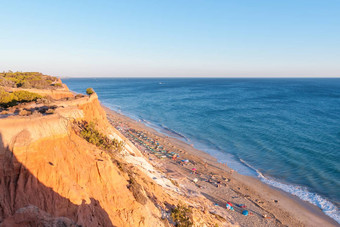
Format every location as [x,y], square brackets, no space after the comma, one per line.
[245,213]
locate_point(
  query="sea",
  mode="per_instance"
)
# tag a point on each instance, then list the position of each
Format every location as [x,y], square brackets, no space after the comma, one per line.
[285,132]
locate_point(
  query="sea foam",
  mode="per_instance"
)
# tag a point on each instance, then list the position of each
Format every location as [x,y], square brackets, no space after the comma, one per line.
[302,192]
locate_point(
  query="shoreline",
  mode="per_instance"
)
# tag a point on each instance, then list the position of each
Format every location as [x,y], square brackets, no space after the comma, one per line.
[288,210]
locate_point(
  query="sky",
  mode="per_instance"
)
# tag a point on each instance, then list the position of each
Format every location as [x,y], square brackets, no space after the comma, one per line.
[170,38]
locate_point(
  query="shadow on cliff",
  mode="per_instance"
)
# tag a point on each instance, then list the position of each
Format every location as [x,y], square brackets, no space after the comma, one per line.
[25,201]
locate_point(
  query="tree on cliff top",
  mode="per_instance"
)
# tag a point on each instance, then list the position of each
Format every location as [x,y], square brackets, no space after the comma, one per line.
[89,91]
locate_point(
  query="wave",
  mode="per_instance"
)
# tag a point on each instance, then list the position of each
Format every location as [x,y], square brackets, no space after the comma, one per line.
[302,192]
[173,132]
[165,130]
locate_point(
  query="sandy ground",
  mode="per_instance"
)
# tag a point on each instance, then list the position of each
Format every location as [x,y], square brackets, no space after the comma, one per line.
[220,184]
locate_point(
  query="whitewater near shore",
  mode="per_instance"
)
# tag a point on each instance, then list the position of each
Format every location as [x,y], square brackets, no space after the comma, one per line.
[219,183]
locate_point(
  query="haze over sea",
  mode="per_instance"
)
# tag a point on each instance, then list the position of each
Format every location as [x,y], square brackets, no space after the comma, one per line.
[284,131]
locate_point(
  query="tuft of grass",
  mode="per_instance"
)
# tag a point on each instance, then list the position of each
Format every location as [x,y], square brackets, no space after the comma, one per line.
[181,215]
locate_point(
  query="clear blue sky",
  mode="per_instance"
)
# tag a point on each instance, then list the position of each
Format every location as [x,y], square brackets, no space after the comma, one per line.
[172,38]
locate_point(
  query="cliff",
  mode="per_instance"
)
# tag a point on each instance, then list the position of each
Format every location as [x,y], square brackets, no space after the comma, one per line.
[50,176]
[54,94]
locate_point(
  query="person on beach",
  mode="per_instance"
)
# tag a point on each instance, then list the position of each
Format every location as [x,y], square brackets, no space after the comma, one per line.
[229,206]
[193,170]
[174,157]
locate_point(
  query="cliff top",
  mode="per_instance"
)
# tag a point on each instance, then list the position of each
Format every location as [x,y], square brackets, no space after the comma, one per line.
[29,80]
[17,88]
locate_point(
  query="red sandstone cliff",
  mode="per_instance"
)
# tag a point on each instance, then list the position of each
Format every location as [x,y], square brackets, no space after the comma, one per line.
[49,176]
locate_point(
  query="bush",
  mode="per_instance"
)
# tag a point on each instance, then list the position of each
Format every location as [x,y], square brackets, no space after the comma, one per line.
[26,96]
[8,99]
[6,83]
[89,91]
[58,85]
[181,216]
[89,132]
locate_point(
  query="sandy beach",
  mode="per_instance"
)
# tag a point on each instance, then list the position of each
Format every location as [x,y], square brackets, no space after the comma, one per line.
[200,174]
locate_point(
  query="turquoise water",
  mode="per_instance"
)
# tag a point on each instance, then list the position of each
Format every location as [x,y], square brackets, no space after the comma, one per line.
[284,131]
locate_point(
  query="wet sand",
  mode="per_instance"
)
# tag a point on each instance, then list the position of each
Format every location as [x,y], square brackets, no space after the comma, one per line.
[217,182]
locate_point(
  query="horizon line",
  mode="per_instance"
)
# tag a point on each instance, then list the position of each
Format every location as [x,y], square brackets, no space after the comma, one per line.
[199,77]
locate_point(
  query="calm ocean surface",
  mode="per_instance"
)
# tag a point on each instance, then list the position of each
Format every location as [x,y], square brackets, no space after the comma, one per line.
[284,131]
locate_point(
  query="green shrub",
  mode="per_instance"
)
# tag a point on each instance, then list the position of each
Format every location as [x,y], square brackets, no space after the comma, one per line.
[89,91]
[58,85]
[181,216]
[8,99]
[26,96]
[6,83]
[89,132]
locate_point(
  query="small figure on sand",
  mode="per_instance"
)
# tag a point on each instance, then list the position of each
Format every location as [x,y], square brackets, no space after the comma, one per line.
[193,170]
[229,206]
[174,157]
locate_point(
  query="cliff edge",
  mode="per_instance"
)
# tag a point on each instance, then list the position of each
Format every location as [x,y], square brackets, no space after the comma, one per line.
[51,176]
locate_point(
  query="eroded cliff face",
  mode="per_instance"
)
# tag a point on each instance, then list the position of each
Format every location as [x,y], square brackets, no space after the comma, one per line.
[50,176]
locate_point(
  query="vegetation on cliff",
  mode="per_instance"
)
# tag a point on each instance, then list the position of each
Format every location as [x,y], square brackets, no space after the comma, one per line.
[89,132]
[8,99]
[181,216]
[89,91]
[28,80]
